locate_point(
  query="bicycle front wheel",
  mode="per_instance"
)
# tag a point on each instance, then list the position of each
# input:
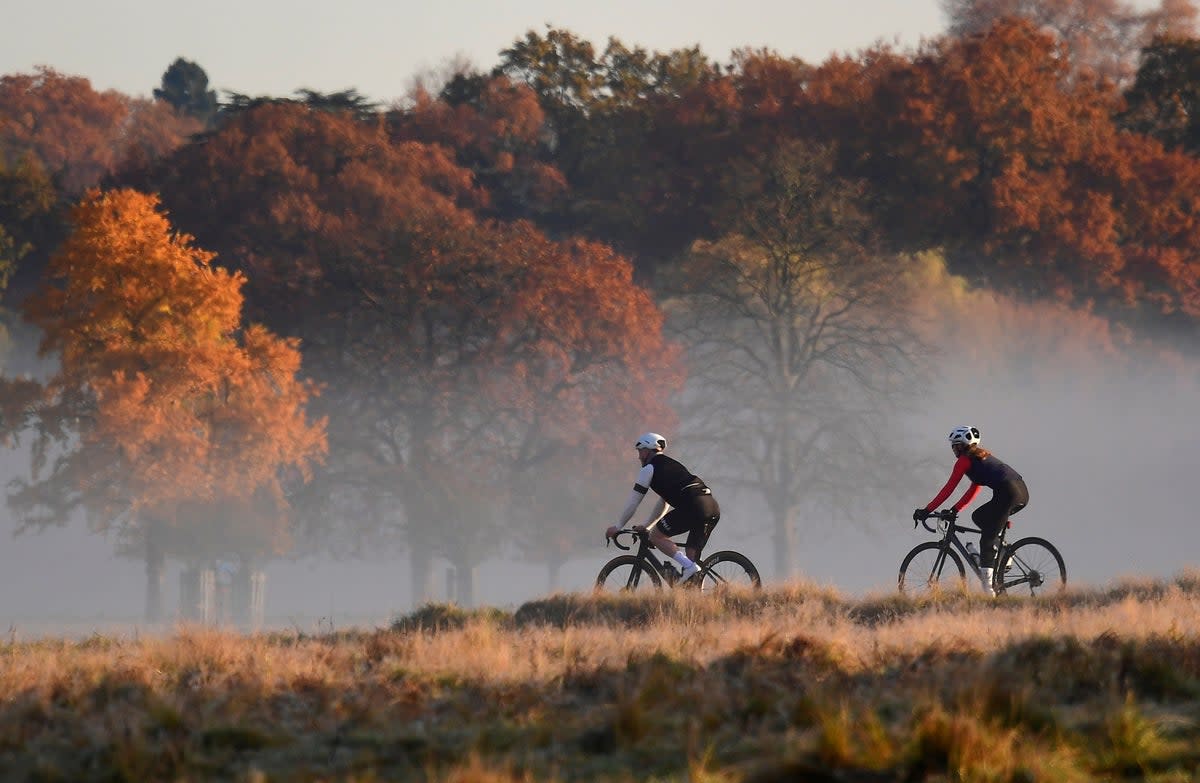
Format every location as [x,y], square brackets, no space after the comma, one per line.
[627,573]
[928,569]
[729,569]
[1032,566]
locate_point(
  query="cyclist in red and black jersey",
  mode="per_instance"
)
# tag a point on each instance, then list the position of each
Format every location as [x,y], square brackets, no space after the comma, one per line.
[693,510]
[1009,494]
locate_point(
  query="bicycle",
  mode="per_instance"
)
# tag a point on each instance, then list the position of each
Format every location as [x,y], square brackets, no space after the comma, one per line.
[1031,563]
[644,571]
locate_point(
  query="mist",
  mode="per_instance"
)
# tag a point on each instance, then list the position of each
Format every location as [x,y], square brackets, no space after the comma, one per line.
[1100,424]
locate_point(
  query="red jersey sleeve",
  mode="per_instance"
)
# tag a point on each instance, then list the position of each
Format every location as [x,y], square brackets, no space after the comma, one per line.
[967,497]
[960,470]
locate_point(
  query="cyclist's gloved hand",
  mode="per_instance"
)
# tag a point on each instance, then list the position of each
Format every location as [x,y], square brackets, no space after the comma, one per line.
[920,515]
[611,533]
[951,514]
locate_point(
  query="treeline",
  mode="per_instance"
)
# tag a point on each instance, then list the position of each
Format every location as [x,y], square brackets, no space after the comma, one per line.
[493,282]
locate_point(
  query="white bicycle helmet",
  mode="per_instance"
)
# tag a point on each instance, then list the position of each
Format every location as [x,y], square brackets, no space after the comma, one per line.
[964,436]
[651,440]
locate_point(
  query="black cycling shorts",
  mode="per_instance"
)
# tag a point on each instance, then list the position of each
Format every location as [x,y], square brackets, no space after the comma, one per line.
[1007,499]
[697,518]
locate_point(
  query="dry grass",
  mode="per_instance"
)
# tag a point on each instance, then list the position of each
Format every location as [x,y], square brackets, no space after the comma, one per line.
[792,683]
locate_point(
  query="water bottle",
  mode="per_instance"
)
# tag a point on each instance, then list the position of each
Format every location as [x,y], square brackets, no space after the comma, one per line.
[973,553]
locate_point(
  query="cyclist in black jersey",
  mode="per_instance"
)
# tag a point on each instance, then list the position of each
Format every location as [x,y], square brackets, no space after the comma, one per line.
[693,509]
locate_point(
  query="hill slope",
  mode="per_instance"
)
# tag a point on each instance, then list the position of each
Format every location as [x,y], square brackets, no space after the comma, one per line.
[798,683]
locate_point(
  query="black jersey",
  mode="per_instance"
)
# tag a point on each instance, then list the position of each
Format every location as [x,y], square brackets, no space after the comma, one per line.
[673,482]
[990,472]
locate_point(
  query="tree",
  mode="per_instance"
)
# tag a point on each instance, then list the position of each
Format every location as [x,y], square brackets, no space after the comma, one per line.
[1164,99]
[27,200]
[456,351]
[798,340]
[158,406]
[29,222]
[76,137]
[1005,179]
[604,125]
[32,223]
[1156,195]
[152,130]
[62,123]
[348,102]
[525,353]
[185,87]
[494,129]
[1101,37]
[583,359]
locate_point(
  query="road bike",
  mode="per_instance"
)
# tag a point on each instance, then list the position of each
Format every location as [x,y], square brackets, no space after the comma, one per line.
[644,571]
[1028,566]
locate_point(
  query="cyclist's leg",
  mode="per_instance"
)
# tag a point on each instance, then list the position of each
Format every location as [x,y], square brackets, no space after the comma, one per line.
[1018,496]
[990,518]
[675,523]
[706,514]
[697,538]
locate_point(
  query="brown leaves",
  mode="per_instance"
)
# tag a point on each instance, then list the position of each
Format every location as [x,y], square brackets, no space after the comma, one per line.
[77,133]
[1018,170]
[585,342]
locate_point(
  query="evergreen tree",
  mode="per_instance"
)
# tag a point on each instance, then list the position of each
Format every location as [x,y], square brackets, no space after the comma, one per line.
[185,86]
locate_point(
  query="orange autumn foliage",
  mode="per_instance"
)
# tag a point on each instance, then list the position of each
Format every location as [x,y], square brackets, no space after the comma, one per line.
[160,400]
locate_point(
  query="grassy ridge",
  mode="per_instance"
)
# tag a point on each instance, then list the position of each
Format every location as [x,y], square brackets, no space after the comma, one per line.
[794,683]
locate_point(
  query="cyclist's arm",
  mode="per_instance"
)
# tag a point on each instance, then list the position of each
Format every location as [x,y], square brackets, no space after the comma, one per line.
[960,469]
[640,487]
[967,497]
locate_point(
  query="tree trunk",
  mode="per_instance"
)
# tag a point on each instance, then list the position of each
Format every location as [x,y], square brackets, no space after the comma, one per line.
[239,595]
[784,544]
[464,584]
[155,572]
[421,572]
[189,593]
[197,594]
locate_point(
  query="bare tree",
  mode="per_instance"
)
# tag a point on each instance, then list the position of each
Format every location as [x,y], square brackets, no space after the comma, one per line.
[1103,37]
[798,342]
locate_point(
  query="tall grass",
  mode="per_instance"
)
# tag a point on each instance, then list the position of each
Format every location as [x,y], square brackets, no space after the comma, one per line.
[790,683]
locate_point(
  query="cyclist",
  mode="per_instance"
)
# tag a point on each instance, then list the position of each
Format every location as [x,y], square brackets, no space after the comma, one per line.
[1009,495]
[693,510]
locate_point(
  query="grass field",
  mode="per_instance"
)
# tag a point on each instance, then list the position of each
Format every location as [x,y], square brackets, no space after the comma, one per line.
[797,683]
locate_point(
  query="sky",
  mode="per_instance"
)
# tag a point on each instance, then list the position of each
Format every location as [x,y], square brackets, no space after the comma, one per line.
[276,47]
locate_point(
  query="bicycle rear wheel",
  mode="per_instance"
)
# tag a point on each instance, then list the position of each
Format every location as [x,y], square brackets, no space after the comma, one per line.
[729,569]
[927,569]
[1032,566]
[627,573]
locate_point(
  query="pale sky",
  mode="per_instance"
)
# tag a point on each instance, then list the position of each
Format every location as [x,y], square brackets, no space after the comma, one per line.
[275,47]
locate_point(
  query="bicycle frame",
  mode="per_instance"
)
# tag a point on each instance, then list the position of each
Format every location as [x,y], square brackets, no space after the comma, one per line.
[665,570]
[950,538]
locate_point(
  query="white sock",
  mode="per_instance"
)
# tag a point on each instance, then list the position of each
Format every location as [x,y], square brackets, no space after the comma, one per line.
[986,580]
[682,559]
